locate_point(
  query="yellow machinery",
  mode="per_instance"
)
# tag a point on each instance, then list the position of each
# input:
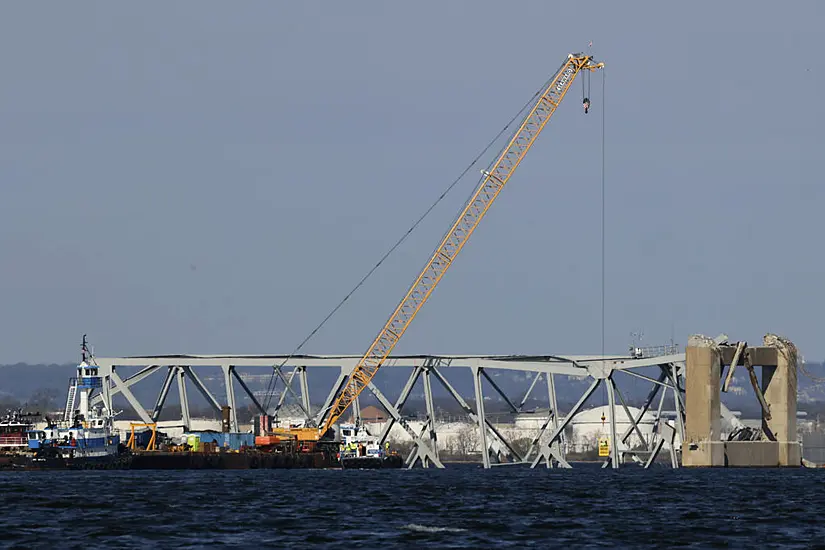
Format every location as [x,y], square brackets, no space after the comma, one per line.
[491,185]
[306,434]
[152,440]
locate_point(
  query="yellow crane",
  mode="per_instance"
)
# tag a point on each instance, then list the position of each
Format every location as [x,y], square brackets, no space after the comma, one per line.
[491,185]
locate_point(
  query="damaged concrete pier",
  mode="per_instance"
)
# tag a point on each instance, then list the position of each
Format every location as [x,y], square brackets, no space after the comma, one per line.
[776,444]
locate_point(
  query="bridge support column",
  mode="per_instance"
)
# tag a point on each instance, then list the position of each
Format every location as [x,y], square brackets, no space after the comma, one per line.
[703,423]
[779,388]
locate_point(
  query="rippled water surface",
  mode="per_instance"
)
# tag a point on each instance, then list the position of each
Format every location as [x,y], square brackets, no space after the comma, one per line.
[462,506]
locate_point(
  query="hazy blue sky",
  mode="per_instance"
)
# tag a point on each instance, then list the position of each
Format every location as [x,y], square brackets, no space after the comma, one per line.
[212,177]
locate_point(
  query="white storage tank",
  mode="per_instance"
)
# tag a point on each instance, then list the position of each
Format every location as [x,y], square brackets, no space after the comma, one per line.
[591,424]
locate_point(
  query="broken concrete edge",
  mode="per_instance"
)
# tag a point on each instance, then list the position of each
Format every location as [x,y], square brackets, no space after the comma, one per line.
[783,344]
[785,347]
[701,341]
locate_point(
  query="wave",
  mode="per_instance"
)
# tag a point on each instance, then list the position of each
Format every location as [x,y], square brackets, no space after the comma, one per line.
[432,529]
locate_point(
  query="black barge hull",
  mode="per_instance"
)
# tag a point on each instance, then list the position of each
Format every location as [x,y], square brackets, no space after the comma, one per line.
[159,460]
[116,462]
[371,463]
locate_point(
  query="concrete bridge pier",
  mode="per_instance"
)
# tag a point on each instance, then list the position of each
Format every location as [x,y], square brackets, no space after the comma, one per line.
[703,407]
[779,386]
[705,362]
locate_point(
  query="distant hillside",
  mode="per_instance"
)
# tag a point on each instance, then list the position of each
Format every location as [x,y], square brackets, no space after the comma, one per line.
[38,385]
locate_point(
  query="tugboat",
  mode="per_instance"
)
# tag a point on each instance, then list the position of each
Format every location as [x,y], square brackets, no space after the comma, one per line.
[13,428]
[360,450]
[13,442]
[85,438]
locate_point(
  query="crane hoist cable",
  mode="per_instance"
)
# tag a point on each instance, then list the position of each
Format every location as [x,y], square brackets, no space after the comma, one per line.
[491,185]
[270,389]
[586,87]
[602,332]
[603,215]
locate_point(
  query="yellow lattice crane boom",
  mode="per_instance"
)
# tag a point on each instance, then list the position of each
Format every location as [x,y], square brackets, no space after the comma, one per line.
[491,185]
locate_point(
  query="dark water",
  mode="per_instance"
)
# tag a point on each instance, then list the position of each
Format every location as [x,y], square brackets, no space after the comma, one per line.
[461,507]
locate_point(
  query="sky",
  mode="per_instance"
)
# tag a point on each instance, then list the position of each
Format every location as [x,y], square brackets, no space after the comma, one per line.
[200,177]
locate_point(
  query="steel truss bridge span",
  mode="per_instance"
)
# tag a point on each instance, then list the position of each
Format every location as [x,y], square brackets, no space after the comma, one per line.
[545,448]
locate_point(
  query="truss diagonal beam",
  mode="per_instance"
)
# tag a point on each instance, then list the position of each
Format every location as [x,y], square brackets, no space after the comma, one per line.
[339,383]
[282,398]
[529,391]
[503,395]
[666,434]
[560,428]
[201,387]
[648,401]
[499,440]
[247,391]
[185,418]
[130,397]
[633,423]
[659,382]
[128,382]
[164,391]
[288,388]
[399,404]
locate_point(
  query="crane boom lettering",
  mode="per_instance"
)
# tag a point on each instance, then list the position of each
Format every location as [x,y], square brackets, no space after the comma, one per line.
[491,185]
